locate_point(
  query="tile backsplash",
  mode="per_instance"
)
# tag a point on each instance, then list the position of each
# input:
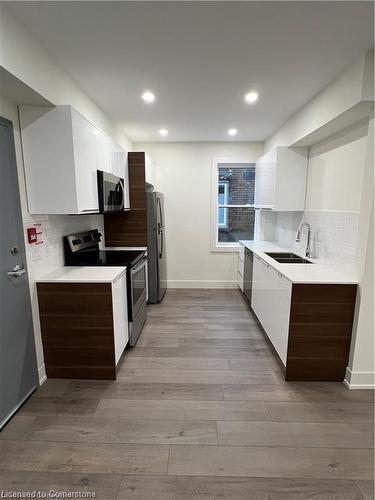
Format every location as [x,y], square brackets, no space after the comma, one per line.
[334,235]
[334,238]
[48,255]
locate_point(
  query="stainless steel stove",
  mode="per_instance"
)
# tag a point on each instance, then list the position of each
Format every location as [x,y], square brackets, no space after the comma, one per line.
[82,249]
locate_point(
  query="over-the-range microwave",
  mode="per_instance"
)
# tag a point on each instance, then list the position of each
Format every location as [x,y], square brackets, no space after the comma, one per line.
[111,193]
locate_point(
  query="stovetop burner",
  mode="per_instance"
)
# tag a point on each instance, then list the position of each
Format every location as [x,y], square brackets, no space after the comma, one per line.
[83,250]
[106,258]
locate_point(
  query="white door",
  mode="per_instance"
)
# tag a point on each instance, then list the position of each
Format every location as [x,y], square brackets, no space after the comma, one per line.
[18,370]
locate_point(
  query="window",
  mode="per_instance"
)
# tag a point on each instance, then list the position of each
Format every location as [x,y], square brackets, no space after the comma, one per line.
[223,200]
[233,214]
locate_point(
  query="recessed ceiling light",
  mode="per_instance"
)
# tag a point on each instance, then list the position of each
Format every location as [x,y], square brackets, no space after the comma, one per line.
[251,97]
[148,97]
[163,132]
[232,132]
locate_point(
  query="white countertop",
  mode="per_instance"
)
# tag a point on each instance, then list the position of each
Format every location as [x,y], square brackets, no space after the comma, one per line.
[84,274]
[297,273]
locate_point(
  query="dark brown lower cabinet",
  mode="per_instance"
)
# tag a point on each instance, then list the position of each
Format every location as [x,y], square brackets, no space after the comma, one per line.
[320,331]
[77,330]
[309,324]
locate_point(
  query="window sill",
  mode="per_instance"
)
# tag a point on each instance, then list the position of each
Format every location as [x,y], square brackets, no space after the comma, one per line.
[232,248]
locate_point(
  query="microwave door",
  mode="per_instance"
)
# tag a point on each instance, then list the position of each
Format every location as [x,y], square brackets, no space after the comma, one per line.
[118,202]
[111,192]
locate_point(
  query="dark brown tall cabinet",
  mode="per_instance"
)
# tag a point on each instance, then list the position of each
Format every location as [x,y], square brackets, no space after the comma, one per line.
[129,229]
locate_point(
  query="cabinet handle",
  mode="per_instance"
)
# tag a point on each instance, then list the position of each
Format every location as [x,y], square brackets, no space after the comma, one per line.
[265,263]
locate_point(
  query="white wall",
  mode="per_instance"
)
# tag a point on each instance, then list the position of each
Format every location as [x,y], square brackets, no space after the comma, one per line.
[361,369]
[335,171]
[183,174]
[351,91]
[24,58]
[340,196]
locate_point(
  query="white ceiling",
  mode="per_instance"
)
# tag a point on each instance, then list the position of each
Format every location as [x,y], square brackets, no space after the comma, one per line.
[200,58]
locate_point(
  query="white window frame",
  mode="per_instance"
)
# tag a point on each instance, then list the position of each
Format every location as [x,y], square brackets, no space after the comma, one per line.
[217,163]
[226,191]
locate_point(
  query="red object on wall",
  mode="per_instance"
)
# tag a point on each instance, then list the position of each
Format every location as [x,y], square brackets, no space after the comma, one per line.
[31,235]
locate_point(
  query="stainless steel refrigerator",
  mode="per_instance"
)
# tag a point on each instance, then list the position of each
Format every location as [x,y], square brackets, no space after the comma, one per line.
[156,247]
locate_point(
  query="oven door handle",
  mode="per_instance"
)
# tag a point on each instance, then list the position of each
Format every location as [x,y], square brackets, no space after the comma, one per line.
[134,270]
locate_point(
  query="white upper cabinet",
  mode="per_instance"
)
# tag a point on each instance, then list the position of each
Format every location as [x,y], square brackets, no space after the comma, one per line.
[85,164]
[149,171]
[280,179]
[104,147]
[62,153]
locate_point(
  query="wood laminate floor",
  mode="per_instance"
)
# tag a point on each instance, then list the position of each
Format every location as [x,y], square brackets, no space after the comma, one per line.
[200,411]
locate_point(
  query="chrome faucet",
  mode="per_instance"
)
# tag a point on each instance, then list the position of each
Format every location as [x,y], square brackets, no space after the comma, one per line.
[298,237]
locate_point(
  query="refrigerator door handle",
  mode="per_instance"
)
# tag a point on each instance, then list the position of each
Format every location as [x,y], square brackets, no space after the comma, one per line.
[160,224]
[161,232]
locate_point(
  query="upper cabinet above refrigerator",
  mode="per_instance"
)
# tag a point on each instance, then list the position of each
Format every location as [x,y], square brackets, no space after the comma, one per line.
[149,171]
[280,179]
[62,154]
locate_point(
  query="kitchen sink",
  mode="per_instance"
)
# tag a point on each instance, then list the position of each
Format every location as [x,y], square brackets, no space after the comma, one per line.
[287,258]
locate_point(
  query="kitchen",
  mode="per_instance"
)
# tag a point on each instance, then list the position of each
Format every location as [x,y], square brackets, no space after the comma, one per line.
[252,372]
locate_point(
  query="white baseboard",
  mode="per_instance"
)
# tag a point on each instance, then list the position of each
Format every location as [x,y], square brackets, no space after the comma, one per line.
[42,374]
[359,380]
[201,284]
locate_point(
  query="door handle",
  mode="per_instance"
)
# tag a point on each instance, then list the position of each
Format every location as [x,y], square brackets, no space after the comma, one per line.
[17,271]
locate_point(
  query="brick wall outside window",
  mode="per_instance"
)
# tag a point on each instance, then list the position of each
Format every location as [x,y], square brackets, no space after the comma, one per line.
[241,221]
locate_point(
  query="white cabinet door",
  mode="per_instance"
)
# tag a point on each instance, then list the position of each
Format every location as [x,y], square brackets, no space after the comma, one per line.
[280,179]
[241,260]
[277,322]
[240,271]
[271,300]
[85,164]
[118,161]
[149,171]
[241,266]
[48,159]
[291,177]
[103,152]
[265,177]
[120,316]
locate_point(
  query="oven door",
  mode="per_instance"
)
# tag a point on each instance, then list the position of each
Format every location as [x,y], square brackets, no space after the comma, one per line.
[111,193]
[138,286]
